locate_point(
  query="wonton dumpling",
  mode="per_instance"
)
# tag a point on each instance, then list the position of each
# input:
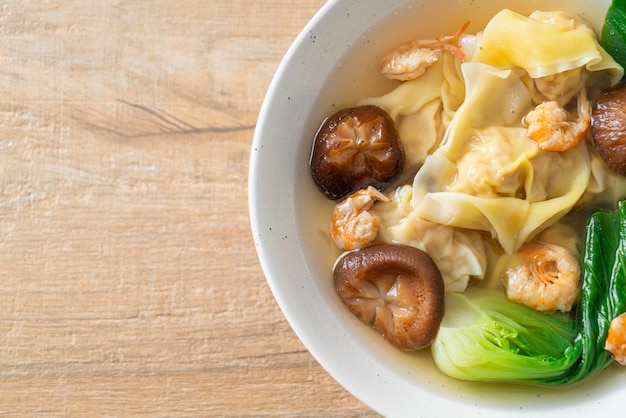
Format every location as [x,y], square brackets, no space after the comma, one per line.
[459,254]
[544,43]
[512,194]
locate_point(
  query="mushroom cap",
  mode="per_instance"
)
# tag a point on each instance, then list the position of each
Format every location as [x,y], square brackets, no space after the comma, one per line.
[355,148]
[608,127]
[396,289]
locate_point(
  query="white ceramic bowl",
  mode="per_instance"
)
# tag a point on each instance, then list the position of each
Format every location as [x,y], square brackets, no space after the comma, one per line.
[332,63]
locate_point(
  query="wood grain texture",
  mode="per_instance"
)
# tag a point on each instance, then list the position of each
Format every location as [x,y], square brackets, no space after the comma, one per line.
[129,283]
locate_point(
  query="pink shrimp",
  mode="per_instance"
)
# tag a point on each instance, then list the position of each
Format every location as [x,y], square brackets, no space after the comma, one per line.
[410,60]
[352,226]
[547,278]
[548,124]
[616,339]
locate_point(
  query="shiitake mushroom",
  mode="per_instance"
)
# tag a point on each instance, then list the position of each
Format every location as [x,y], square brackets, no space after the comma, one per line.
[355,148]
[396,289]
[608,127]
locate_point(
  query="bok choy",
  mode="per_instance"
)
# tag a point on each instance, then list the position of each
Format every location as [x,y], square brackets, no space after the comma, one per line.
[613,36]
[486,337]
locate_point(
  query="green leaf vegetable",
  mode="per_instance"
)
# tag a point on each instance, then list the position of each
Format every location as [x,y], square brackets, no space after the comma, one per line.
[613,35]
[486,337]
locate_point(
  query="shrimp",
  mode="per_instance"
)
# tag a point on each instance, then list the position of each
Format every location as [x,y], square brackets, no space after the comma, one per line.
[616,339]
[410,60]
[546,279]
[352,226]
[548,124]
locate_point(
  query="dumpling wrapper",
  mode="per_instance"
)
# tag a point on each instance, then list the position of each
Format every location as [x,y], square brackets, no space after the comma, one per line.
[543,44]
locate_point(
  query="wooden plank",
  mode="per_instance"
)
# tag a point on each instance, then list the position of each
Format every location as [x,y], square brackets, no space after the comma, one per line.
[129,283]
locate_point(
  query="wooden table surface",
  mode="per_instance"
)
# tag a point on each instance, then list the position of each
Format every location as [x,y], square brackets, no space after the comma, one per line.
[129,280]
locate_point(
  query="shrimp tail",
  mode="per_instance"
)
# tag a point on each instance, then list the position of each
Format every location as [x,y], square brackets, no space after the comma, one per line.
[451,43]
